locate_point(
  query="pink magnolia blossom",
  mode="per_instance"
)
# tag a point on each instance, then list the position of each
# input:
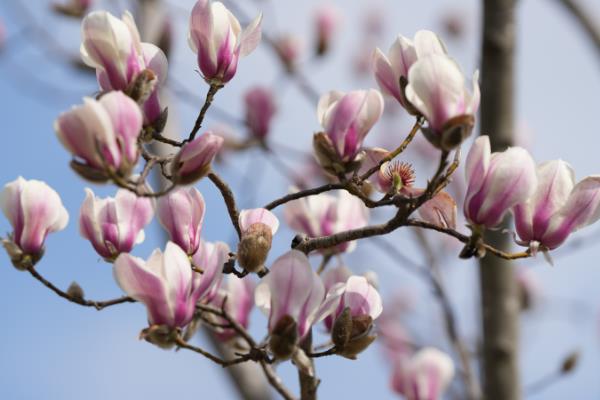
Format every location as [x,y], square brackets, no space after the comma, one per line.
[194,160]
[391,71]
[260,110]
[181,213]
[257,229]
[292,289]
[289,48]
[424,376]
[165,283]
[217,38]
[210,258]
[558,206]
[113,47]
[102,134]
[34,210]
[347,118]
[114,225]
[436,88]
[356,294]
[236,297]
[326,214]
[327,20]
[496,182]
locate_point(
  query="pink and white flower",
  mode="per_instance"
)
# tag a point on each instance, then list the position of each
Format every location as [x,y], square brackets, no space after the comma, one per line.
[391,71]
[114,225]
[102,135]
[327,20]
[113,47]
[217,38]
[347,118]
[34,210]
[326,214]
[181,213]
[257,228]
[558,206]
[496,182]
[165,283]
[260,110]
[436,88]
[210,258]
[193,162]
[424,376]
[236,296]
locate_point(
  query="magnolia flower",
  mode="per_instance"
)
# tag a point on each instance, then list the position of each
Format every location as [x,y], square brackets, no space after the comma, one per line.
[327,19]
[210,258]
[391,72]
[289,49]
[260,109]
[216,37]
[113,47]
[165,283]
[292,293]
[236,298]
[114,225]
[34,210]
[558,206]
[193,162]
[436,88]
[346,120]
[257,228]
[102,135]
[181,213]
[356,304]
[424,376]
[326,214]
[496,182]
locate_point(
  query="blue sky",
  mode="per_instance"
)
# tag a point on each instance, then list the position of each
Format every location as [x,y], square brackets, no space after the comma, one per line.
[51,349]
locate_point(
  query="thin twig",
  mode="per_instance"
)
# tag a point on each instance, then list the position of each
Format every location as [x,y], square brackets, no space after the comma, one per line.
[212,90]
[99,305]
[229,200]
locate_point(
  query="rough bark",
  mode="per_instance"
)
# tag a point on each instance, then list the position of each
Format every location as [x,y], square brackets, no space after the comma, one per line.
[500,311]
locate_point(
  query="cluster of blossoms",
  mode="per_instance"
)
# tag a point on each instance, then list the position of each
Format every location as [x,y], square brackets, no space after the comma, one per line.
[107,136]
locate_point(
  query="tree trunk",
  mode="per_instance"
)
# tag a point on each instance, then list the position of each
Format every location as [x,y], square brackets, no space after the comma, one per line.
[500,311]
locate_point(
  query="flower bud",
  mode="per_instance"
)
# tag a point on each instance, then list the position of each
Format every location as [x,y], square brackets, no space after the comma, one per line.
[327,20]
[193,162]
[73,8]
[34,210]
[289,49]
[216,37]
[260,109]
[496,182]
[181,213]
[258,227]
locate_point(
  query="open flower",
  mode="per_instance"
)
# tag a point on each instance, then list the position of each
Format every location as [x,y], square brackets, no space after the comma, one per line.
[114,225]
[325,214]
[102,136]
[346,119]
[424,376]
[496,182]
[113,47]
[292,293]
[391,71]
[235,296]
[216,37]
[436,88]
[181,213]
[558,206]
[34,210]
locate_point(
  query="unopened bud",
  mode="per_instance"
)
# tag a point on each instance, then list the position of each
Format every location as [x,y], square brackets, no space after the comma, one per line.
[341,332]
[284,338]
[75,291]
[351,335]
[193,162]
[254,247]
[570,363]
